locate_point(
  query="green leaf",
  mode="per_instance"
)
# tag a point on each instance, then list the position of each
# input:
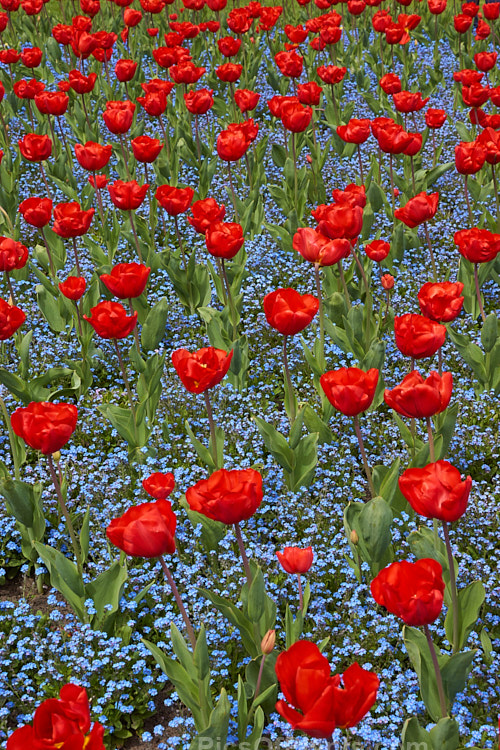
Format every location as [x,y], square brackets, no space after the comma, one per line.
[21,499]
[218,724]
[85,536]
[305,458]
[200,656]
[385,480]
[489,332]
[153,329]
[445,735]
[276,444]
[455,672]
[256,597]
[470,601]
[418,651]
[106,590]
[64,577]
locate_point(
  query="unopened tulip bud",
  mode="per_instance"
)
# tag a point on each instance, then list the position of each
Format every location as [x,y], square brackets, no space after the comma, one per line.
[354,537]
[387,281]
[56,456]
[396,192]
[267,644]
[309,159]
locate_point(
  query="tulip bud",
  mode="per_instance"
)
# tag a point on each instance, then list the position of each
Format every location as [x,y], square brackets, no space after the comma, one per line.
[267,644]
[309,159]
[56,456]
[354,537]
[387,281]
[396,192]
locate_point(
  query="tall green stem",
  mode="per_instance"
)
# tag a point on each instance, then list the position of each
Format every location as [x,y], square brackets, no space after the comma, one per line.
[211,422]
[67,517]
[453,587]
[439,679]
[368,472]
[321,310]
[12,438]
[179,602]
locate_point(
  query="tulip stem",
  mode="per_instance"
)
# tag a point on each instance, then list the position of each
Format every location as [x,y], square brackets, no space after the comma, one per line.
[211,422]
[177,597]
[439,679]
[453,587]
[301,595]
[233,194]
[344,285]
[9,285]
[433,260]
[12,438]
[77,263]
[135,331]
[67,517]
[136,238]
[478,293]
[467,200]
[361,174]
[243,554]
[431,440]
[259,677]
[391,171]
[125,379]
[321,311]
[289,381]
[368,473]
[180,242]
[49,254]
[230,299]
[362,273]
[295,188]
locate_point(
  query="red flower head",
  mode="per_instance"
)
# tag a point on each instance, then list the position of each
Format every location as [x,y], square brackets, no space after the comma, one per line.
[491,11]
[227,496]
[35,147]
[415,144]
[125,70]
[31,57]
[73,288]
[118,116]
[126,280]
[186,72]
[490,141]
[331,73]
[28,89]
[11,318]
[469,157]
[229,72]
[229,46]
[290,63]
[174,200]
[390,83]
[417,336]
[155,102]
[406,101]
[353,195]
[53,103]
[296,560]
[296,34]
[441,301]
[206,212]
[70,220]
[45,426]
[309,93]
[159,485]
[378,250]
[80,83]
[316,248]
[246,100]
[485,61]
[93,156]
[349,389]
[13,255]
[411,591]
[110,320]
[288,311]
[203,369]
[339,220]
[294,116]
[435,118]
[232,144]
[436,491]
[421,208]
[145,530]
[127,195]
[36,211]
[387,281]
[315,701]
[146,149]
[58,722]
[419,398]
[392,138]
[477,245]
[356,131]
[132,17]
[199,102]
[436,7]
[224,239]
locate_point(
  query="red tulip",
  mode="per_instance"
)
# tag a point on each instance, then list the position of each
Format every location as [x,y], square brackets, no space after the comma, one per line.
[60,722]
[406,101]
[421,208]
[127,195]
[469,157]
[246,100]
[145,530]
[436,491]
[435,118]
[331,73]
[477,245]
[11,318]
[349,389]
[13,255]
[418,398]
[387,281]
[378,250]
[28,89]
[392,138]
[31,57]
[309,93]
[126,280]
[296,560]
[227,496]
[73,288]
[199,102]
[232,144]
[289,63]
[288,311]
[206,212]
[80,83]
[441,301]
[316,248]
[294,116]
[35,147]
[36,211]
[155,102]
[70,220]
[417,336]
[146,149]
[125,70]
[110,320]
[93,156]
[317,702]
[224,239]
[53,103]
[356,131]
[45,426]
[485,61]
[339,220]
[203,369]
[390,83]
[159,485]
[411,591]
[229,46]
[229,72]
[118,116]
[174,200]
